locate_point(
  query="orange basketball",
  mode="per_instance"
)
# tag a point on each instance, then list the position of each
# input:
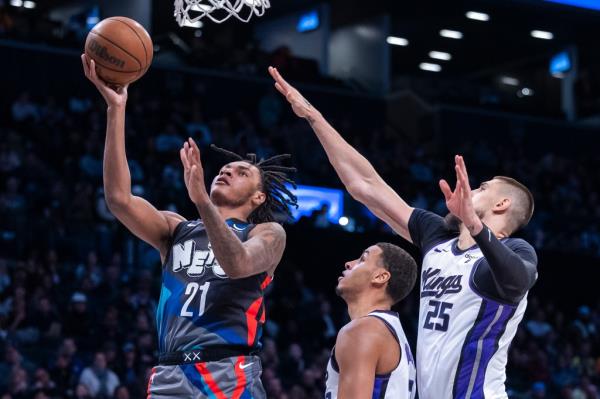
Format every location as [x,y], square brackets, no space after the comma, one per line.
[121,48]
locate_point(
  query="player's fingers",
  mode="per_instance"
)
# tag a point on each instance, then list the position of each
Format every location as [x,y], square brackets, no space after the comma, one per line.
[192,157]
[281,80]
[460,184]
[92,66]
[272,72]
[188,154]
[183,157]
[464,179]
[275,75]
[94,76]
[463,172]
[445,187]
[196,149]
[280,88]
[86,68]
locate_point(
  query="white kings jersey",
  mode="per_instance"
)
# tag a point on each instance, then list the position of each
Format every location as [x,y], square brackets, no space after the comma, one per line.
[399,384]
[463,337]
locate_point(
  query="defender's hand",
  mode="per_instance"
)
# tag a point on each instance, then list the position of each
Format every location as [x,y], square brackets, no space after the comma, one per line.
[459,201]
[115,96]
[193,173]
[300,105]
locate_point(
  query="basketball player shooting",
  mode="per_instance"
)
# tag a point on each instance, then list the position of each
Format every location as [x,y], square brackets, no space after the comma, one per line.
[474,279]
[371,357]
[211,311]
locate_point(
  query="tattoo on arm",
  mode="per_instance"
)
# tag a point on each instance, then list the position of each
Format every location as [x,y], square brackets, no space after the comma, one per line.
[265,247]
[227,247]
[261,252]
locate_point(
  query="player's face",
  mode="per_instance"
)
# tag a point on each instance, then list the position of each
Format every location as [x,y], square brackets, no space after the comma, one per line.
[484,197]
[359,273]
[235,185]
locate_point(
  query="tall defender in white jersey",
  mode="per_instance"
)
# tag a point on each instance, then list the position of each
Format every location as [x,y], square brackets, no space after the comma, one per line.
[371,358]
[475,278]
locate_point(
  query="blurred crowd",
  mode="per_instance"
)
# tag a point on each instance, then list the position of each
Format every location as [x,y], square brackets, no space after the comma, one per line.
[51,167]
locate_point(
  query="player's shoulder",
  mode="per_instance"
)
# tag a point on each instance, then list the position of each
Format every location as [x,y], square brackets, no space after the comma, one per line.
[363,329]
[361,338]
[272,228]
[517,242]
[521,246]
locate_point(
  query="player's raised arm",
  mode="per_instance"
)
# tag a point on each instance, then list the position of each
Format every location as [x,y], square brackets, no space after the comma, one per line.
[263,249]
[358,175]
[137,214]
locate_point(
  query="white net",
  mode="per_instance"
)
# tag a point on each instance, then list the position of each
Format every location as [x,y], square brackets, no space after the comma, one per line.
[189,12]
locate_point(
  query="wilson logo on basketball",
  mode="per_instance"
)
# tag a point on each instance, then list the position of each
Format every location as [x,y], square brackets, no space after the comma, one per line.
[101,52]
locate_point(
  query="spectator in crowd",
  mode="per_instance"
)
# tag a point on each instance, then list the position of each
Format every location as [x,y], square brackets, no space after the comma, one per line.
[99,381]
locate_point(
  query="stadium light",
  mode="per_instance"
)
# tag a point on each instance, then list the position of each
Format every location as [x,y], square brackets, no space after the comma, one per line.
[477,16]
[451,34]
[542,34]
[29,4]
[343,221]
[509,81]
[440,55]
[92,20]
[397,41]
[16,3]
[427,66]
[527,91]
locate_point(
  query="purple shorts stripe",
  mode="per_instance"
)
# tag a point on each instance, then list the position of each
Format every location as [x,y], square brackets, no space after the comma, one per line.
[469,350]
[490,346]
[380,387]
[466,365]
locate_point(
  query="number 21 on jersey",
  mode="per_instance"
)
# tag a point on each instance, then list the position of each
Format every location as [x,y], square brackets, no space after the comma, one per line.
[191,291]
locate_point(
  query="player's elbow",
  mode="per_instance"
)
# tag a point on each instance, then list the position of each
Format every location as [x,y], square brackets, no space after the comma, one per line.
[237,267]
[235,274]
[116,201]
[359,190]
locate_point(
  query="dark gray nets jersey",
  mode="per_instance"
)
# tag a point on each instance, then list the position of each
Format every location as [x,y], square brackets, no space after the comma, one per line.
[199,305]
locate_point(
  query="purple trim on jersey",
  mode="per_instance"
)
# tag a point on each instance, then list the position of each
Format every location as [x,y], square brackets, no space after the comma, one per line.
[334,363]
[466,363]
[380,387]
[490,347]
[469,350]
[457,251]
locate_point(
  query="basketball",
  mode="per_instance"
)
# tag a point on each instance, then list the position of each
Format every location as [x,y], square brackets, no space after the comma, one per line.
[121,48]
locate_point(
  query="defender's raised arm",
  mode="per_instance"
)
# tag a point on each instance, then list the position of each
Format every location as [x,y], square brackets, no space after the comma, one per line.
[357,174]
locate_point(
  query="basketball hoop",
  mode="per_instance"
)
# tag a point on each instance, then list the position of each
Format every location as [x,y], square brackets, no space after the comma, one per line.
[190,12]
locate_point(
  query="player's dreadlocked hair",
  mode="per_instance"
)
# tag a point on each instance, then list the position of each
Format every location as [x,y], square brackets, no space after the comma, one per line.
[273,177]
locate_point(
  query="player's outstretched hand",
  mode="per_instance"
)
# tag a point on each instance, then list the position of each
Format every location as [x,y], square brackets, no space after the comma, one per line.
[115,96]
[193,173]
[460,201]
[299,104]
